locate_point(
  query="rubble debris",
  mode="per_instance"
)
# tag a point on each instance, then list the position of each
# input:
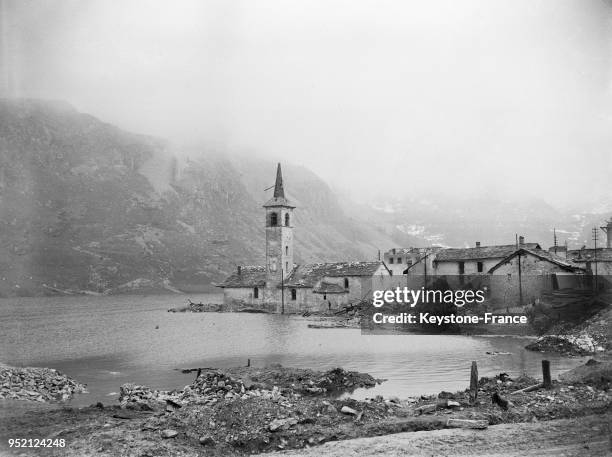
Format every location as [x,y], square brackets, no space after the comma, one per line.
[537,386]
[581,344]
[37,384]
[168,433]
[247,411]
[277,383]
[349,410]
[206,441]
[284,424]
[467,423]
[500,401]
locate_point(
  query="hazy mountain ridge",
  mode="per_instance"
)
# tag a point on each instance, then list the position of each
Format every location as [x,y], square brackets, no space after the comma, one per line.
[461,221]
[88,206]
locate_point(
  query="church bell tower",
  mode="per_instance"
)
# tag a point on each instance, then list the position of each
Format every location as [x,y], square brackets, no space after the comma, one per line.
[279,234]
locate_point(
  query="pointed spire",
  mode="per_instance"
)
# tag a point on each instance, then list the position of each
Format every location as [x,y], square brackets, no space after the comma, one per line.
[278,200]
[279,192]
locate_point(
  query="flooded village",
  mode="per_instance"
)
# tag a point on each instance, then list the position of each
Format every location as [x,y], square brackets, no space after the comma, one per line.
[305,228]
[260,408]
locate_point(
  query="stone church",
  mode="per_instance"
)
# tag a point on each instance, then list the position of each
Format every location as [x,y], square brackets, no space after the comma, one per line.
[282,286]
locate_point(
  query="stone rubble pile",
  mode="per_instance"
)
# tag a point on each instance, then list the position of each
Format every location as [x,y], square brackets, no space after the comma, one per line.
[208,389]
[580,344]
[37,384]
[213,386]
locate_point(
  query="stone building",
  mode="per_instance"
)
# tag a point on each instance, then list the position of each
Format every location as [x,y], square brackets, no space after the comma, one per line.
[596,260]
[527,274]
[282,286]
[592,260]
[477,260]
[535,262]
[410,261]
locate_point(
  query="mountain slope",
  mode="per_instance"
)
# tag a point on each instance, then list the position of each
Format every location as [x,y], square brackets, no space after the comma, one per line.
[87,206]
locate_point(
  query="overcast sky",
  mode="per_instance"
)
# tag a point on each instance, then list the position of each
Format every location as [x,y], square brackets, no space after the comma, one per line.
[508,97]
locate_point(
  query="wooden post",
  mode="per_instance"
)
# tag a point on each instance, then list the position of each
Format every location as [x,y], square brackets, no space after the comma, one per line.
[474,382]
[199,373]
[248,362]
[546,381]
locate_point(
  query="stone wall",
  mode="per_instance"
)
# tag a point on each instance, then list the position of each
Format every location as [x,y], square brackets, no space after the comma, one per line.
[470,267]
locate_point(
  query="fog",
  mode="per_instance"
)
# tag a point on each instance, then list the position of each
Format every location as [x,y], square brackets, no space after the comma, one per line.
[508,98]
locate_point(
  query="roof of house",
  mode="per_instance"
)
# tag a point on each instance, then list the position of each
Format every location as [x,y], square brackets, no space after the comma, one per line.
[557,248]
[565,264]
[309,274]
[330,288]
[588,255]
[401,251]
[482,252]
[250,276]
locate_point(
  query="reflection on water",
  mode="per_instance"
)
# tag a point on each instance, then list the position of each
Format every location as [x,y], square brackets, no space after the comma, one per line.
[107,341]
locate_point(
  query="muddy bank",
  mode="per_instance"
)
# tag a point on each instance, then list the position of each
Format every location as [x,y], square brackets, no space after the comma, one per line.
[203,419]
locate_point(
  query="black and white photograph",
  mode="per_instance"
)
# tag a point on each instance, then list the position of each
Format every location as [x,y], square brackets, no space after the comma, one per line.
[304,228]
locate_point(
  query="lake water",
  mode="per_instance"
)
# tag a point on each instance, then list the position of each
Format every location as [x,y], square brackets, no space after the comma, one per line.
[107,341]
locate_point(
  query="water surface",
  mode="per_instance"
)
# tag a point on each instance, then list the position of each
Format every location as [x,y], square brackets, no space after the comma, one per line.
[107,341]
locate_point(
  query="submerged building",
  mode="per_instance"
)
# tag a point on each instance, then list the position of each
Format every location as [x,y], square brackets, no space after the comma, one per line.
[282,286]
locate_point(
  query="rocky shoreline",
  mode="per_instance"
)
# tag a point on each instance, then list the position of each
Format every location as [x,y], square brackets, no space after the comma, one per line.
[250,410]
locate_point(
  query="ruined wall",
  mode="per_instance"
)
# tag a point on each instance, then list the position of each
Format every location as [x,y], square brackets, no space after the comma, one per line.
[307,300]
[244,296]
[537,277]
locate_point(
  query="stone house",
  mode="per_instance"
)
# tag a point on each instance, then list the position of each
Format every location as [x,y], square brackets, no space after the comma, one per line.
[587,258]
[410,261]
[474,261]
[528,273]
[282,286]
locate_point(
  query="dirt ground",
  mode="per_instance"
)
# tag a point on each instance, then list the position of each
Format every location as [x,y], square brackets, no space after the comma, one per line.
[586,436]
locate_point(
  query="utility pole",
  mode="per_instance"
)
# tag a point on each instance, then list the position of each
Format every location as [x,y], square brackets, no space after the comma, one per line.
[519,270]
[555,240]
[425,269]
[520,280]
[595,238]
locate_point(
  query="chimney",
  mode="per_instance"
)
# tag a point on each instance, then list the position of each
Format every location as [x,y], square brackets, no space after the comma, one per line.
[521,240]
[239,270]
[477,244]
[393,250]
